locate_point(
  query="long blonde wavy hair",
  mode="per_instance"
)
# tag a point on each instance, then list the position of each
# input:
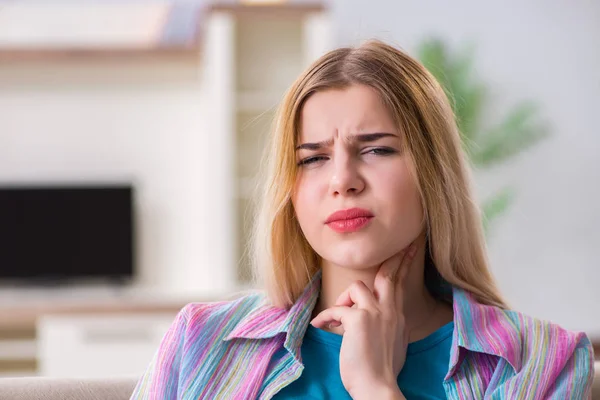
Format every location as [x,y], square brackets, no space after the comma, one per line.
[284,262]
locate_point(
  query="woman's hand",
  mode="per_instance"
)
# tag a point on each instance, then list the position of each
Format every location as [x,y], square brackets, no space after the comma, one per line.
[375,340]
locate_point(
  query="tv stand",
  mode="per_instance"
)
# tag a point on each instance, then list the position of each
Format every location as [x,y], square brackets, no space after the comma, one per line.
[37,322]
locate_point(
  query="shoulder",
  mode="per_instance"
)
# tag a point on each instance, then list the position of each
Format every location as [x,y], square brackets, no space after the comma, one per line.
[221,315]
[534,355]
[536,334]
[513,335]
[553,361]
[541,340]
[197,312]
[190,344]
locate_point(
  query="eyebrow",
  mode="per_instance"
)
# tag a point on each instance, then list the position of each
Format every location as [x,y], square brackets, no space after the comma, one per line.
[362,138]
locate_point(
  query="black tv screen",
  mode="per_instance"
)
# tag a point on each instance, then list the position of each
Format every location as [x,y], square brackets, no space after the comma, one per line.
[64,233]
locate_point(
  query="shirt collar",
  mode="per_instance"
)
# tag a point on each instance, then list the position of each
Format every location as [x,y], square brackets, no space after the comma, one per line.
[267,321]
[477,327]
[483,329]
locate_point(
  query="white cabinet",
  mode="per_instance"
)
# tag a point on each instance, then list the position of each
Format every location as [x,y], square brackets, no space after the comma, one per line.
[272,46]
[99,346]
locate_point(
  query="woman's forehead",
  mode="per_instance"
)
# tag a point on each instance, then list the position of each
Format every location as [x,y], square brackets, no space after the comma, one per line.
[341,113]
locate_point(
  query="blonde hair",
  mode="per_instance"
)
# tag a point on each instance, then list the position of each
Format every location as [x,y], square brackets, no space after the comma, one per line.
[283,260]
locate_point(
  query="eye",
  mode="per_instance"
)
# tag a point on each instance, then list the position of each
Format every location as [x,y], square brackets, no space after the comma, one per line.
[310,160]
[381,151]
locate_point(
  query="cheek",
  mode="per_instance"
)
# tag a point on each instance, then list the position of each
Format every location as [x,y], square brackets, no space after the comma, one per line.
[402,198]
[306,200]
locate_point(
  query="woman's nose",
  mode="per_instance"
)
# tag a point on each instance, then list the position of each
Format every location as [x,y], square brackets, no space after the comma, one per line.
[345,178]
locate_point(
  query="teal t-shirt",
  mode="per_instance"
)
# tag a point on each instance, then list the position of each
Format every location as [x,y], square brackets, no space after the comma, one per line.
[420,379]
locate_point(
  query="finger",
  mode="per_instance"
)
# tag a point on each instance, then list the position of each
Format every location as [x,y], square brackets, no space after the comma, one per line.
[392,271]
[331,316]
[385,280]
[358,293]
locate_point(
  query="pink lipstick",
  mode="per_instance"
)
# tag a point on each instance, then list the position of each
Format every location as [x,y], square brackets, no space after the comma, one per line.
[350,220]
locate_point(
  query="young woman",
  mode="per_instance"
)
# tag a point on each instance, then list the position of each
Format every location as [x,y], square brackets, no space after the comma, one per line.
[371,253]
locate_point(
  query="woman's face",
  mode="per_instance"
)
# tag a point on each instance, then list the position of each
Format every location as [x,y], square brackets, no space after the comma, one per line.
[349,156]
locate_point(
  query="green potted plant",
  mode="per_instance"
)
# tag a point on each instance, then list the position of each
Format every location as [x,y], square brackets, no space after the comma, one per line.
[487,143]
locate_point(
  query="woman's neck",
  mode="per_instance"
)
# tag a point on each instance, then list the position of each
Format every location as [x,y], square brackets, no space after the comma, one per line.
[422,312]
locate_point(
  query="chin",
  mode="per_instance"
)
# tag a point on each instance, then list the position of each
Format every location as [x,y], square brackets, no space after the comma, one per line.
[354,255]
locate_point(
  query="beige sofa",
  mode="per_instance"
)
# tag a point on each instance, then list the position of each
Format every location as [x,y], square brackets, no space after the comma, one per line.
[92,389]
[66,389]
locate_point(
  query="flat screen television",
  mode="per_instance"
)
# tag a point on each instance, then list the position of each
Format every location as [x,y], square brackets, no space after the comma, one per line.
[64,233]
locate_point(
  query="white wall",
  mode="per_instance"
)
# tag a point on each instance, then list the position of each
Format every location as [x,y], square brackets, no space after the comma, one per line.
[544,251]
[156,124]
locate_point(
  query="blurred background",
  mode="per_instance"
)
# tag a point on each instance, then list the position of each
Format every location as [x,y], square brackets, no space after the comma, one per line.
[130,136]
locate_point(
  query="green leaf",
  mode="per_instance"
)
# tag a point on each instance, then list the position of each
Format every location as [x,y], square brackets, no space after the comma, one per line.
[432,54]
[466,94]
[495,206]
[486,144]
[519,131]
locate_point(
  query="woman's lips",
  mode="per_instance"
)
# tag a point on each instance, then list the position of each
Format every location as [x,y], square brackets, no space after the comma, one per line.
[350,220]
[349,225]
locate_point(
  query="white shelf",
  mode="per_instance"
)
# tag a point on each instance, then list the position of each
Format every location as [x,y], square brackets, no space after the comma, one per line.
[269,53]
[18,373]
[18,349]
[99,346]
[271,50]
[83,294]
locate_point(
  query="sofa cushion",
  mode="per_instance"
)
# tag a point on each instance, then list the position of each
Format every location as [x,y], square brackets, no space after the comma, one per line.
[39,388]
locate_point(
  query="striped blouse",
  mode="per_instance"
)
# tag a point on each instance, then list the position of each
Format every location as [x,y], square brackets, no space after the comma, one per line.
[223,350]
